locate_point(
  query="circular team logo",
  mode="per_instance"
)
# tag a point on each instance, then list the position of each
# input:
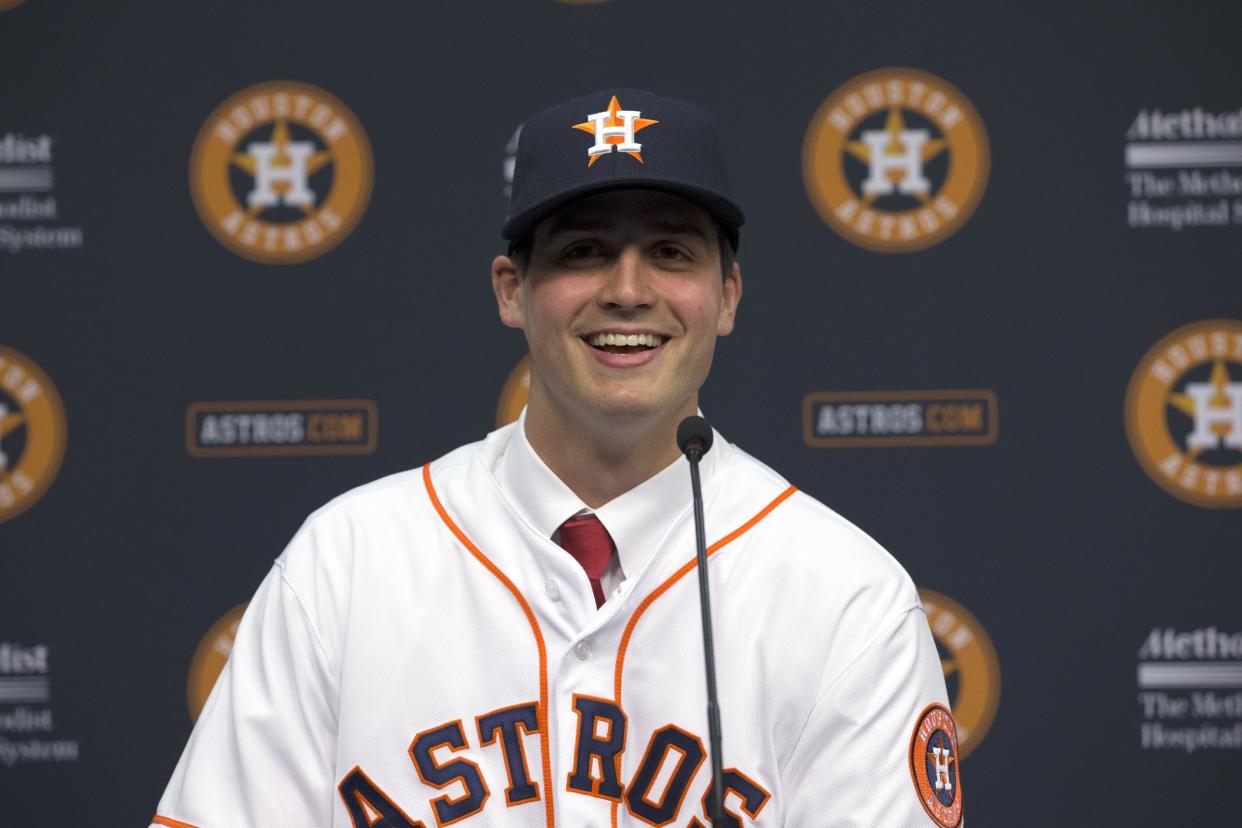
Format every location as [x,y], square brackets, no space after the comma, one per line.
[515,393]
[1184,413]
[971,669]
[281,172]
[934,766]
[32,433]
[210,657]
[5,5]
[896,160]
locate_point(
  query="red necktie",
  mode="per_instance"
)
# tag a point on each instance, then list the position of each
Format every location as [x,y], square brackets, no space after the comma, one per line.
[589,542]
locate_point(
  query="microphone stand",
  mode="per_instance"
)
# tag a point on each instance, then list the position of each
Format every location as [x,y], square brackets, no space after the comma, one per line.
[695,444]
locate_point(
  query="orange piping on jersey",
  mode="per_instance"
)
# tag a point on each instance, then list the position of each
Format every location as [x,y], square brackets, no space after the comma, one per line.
[677,576]
[542,714]
[171,823]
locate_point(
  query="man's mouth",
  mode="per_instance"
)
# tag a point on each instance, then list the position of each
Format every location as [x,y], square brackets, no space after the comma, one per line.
[622,343]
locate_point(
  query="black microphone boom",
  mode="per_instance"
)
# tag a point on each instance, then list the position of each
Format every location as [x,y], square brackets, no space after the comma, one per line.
[694,438]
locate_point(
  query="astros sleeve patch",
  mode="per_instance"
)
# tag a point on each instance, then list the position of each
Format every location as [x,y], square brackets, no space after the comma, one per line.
[934,765]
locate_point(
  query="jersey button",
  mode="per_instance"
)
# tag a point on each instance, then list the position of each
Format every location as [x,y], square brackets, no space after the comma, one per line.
[584,650]
[554,592]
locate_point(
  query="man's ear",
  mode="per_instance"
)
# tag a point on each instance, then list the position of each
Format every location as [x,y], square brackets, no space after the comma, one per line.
[506,284]
[730,300]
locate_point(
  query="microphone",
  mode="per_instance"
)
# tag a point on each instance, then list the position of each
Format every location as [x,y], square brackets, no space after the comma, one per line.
[694,435]
[694,438]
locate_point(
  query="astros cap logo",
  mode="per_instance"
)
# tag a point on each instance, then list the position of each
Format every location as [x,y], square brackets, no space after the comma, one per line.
[281,172]
[1184,413]
[614,129]
[895,160]
[32,433]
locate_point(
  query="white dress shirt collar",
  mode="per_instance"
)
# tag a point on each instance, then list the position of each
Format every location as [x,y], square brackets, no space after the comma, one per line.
[637,520]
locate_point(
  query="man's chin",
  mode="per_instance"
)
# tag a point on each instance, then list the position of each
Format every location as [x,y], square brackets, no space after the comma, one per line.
[637,408]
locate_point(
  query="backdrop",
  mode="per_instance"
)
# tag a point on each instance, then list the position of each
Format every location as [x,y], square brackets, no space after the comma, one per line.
[991,315]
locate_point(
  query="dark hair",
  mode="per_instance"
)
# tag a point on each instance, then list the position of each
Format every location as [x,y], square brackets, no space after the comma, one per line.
[520,249]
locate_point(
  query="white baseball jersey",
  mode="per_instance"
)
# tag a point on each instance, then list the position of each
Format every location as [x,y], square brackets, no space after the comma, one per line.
[410,661]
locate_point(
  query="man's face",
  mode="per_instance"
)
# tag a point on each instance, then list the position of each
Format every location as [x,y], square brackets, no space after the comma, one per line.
[621,302]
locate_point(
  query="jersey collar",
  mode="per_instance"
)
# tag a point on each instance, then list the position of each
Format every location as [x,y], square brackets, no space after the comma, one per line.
[638,520]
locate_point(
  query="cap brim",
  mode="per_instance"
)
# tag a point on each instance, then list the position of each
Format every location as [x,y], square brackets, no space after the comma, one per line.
[719,206]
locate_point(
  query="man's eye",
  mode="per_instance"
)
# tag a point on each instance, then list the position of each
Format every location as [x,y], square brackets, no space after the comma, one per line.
[669,251]
[581,251]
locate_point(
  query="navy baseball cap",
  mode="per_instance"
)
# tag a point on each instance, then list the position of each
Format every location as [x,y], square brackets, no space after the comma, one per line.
[618,138]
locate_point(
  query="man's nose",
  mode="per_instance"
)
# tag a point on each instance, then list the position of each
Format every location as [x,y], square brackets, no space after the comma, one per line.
[628,283]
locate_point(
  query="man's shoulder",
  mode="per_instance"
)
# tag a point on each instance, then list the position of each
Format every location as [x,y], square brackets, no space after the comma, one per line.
[390,505]
[387,525]
[801,512]
[804,537]
[404,490]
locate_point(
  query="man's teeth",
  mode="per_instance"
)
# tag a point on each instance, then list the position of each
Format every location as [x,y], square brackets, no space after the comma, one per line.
[633,340]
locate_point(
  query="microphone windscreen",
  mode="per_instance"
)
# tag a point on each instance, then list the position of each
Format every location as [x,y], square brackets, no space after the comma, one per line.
[694,429]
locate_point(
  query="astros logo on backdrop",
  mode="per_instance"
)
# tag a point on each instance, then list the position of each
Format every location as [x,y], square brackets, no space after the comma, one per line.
[895,160]
[210,657]
[32,433]
[281,172]
[1184,413]
[971,669]
[5,5]
[514,394]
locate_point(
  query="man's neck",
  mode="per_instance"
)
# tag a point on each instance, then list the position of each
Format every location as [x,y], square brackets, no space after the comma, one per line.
[602,459]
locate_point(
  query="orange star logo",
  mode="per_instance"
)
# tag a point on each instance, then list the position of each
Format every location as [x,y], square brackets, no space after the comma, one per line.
[614,128]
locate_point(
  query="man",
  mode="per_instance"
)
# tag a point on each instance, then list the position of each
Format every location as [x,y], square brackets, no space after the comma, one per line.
[510,634]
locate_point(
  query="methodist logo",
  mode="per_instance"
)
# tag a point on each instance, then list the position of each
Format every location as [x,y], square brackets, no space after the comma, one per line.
[30,211]
[32,433]
[28,721]
[971,669]
[1190,689]
[1180,169]
[1184,413]
[210,657]
[281,172]
[895,160]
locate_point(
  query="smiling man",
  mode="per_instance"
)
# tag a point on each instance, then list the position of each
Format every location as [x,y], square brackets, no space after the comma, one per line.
[621,294]
[510,635]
